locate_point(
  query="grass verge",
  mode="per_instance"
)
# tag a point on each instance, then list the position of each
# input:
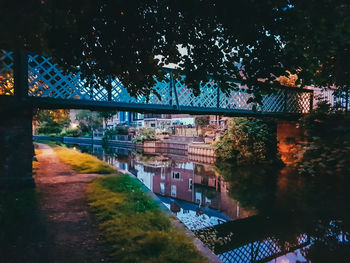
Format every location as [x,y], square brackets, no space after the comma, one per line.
[82,162]
[134,226]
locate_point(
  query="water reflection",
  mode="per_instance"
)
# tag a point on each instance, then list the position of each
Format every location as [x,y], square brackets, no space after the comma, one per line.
[274,215]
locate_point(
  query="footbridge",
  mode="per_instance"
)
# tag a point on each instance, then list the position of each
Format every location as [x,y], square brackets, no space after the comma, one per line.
[39,82]
[29,81]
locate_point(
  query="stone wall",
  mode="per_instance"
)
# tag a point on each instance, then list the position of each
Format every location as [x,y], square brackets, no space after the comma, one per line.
[16,145]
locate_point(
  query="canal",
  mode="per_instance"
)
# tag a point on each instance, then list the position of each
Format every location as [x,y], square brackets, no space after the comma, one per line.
[246,214]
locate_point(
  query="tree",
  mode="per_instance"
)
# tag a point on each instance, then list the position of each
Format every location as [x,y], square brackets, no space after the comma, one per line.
[253,42]
[88,120]
[52,121]
[107,115]
[248,141]
[202,121]
[328,150]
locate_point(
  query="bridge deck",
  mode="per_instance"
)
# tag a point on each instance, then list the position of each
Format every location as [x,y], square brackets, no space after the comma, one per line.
[44,84]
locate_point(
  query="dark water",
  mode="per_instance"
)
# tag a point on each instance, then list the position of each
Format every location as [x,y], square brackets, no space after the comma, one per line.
[250,214]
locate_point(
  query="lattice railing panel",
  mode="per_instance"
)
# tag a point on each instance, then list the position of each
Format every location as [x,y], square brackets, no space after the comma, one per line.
[297,102]
[163,89]
[236,99]
[46,79]
[260,251]
[161,94]
[6,73]
[274,102]
[206,99]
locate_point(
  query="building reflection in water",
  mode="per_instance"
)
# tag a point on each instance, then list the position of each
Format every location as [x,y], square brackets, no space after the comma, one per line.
[194,191]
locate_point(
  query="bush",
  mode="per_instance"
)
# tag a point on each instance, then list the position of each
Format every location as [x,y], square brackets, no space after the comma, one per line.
[110,133]
[49,128]
[51,121]
[70,133]
[247,141]
[145,134]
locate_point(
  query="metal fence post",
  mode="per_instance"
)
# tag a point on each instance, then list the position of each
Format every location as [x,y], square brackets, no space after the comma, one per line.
[347,100]
[109,89]
[218,96]
[311,101]
[174,88]
[21,74]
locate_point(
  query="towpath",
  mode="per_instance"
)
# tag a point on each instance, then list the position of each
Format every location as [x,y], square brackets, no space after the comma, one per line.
[68,232]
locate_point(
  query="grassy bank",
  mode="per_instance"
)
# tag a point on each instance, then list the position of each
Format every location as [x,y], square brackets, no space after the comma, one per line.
[132,223]
[83,162]
[134,226]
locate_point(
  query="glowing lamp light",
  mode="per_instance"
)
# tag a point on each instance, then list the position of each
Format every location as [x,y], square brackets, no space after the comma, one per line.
[74,125]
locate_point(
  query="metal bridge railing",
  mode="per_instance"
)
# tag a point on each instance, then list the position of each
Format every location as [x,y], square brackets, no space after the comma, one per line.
[340,100]
[263,251]
[41,78]
[6,73]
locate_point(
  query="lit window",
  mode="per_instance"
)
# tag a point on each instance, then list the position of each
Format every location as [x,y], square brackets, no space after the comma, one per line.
[198,197]
[162,188]
[173,190]
[162,173]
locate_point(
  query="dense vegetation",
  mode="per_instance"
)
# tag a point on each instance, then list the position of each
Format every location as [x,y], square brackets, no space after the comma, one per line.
[57,123]
[247,141]
[145,134]
[110,133]
[134,225]
[246,40]
[51,121]
[328,150]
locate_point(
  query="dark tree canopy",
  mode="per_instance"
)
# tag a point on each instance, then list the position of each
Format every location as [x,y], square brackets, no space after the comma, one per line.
[246,40]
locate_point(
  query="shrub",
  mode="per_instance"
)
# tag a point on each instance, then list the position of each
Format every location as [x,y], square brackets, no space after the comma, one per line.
[70,133]
[247,141]
[145,134]
[110,133]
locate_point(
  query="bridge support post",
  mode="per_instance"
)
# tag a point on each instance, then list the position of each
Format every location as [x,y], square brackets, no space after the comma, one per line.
[16,152]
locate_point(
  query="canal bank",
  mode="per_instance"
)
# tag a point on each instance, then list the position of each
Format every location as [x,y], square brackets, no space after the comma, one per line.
[100,193]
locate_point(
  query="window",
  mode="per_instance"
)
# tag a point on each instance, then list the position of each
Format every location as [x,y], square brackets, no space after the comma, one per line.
[198,197]
[176,175]
[173,190]
[162,173]
[207,201]
[190,182]
[162,188]
[153,124]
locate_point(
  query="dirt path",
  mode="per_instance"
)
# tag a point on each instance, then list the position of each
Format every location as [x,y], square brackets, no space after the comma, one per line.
[71,231]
